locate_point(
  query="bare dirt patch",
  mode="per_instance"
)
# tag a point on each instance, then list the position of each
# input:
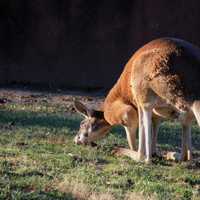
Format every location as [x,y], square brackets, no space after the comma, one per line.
[65,98]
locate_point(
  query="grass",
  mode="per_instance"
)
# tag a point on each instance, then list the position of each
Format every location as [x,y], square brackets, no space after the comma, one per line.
[38,160]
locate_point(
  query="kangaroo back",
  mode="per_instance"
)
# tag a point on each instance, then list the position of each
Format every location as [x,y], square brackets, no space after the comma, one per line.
[170,68]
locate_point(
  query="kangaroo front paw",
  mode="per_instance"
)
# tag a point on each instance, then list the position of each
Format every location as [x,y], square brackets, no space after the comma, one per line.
[173,156]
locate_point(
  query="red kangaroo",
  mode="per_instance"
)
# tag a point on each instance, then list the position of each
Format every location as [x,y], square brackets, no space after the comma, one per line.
[159,81]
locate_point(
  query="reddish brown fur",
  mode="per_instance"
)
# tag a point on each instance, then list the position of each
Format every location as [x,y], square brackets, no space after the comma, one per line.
[119,96]
[165,65]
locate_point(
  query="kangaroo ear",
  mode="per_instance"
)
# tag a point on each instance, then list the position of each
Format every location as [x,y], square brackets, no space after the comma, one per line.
[82,109]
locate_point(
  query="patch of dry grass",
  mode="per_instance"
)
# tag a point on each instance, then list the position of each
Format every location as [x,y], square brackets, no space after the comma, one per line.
[21,160]
[101,196]
[62,140]
[138,196]
[81,191]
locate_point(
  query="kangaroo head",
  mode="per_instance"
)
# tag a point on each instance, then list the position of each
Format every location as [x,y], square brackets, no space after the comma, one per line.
[92,127]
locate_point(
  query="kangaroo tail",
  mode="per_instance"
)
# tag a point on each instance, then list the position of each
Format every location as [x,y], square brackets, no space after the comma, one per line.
[196,110]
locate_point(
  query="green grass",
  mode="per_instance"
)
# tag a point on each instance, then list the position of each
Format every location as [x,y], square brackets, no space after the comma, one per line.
[38,160]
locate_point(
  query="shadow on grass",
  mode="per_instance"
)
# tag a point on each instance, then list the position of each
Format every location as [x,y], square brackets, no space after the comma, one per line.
[169,135]
[24,118]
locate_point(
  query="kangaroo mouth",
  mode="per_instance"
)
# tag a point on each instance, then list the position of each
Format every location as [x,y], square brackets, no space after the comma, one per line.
[78,142]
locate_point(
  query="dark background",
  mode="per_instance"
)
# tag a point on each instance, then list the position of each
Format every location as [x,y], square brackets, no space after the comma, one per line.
[84,44]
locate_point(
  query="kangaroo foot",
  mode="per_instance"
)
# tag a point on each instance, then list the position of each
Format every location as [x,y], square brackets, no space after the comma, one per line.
[186,156]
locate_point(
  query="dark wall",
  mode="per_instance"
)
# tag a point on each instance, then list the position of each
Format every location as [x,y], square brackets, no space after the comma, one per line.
[80,43]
